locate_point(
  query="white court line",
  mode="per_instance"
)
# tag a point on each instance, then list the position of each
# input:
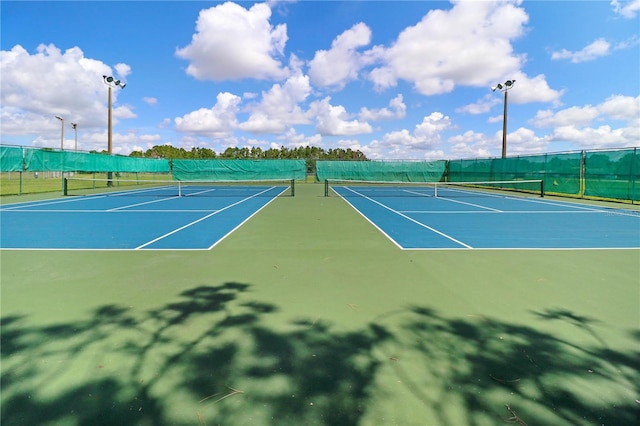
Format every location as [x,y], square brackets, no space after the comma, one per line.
[579,207]
[46,203]
[503,211]
[201,219]
[244,221]
[402,248]
[455,201]
[204,191]
[585,207]
[28,204]
[140,204]
[117,211]
[406,217]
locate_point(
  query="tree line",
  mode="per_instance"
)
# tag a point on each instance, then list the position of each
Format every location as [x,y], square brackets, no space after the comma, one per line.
[308,153]
[254,153]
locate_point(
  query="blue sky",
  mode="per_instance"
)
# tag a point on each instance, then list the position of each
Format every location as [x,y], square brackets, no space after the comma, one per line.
[395,79]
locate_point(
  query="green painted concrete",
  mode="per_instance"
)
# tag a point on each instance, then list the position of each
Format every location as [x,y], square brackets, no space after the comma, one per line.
[307,314]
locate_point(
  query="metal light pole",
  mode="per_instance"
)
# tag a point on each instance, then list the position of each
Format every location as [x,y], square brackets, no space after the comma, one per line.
[504,88]
[75,128]
[111,82]
[61,132]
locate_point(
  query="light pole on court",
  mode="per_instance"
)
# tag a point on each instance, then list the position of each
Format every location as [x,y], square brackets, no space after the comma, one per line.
[61,132]
[111,83]
[75,128]
[504,87]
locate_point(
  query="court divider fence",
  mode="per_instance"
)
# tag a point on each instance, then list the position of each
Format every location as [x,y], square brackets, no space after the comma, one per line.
[236,170]
[607,174]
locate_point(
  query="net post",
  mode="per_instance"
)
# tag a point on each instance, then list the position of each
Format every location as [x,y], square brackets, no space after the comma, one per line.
[541,188]
[435,189]
[326,187]
[293,187]
[179,189]
[65,186]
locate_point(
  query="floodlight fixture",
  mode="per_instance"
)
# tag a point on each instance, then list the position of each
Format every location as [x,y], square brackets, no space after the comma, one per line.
[111,82]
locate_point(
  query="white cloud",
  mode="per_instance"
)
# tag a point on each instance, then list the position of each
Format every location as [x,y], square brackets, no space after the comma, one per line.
[217,121]
[294,139]
[397,109]
[628,43]
[579,116]
[340,64]
[467,45]
[232,43]
[402,144]
[617,107]
[624,108]
[576,124]
[36,87]
[334,120]
[534,89]
[626,9]
[600,137]
[150,100]
[524,141]
[598,48]
[122,70]
[481,106]
[41,84]
[279,107]
[528,89]
[472,145]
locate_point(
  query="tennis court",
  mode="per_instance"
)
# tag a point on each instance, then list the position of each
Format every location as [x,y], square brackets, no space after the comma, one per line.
[299,310]
[162,216]
[423,217]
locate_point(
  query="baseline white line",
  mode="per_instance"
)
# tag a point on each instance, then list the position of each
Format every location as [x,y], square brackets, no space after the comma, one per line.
[201,219]
[410,219]
[502,211]
[109,211]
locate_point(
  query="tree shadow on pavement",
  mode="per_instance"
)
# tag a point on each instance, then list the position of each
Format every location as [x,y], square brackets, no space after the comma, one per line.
[213,356]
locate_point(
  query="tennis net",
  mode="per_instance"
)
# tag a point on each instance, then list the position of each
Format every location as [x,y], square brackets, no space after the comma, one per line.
[174,188]
[432,189]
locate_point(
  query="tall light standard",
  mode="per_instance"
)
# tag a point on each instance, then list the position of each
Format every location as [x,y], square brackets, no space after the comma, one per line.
[111,82]
[75,128]
[61,132]
[504,87]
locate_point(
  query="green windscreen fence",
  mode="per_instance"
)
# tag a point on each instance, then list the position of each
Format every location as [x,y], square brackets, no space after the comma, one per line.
[382,171]
[69,161]
[43,160]
[559,172]
[613,174]
[234,170]
[11,159]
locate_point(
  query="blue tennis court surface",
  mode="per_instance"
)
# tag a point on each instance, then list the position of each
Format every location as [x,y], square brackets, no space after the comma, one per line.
[415,219]
[132,219]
